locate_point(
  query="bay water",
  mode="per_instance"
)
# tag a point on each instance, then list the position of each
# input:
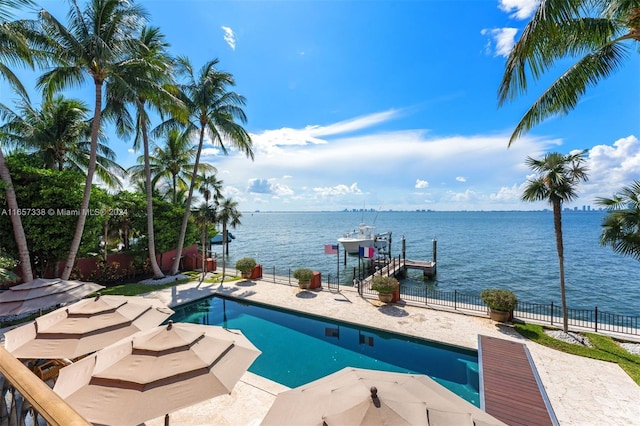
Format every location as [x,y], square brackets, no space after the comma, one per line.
[515,250]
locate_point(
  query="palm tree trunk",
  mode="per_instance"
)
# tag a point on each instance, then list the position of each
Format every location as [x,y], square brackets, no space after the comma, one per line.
[187,207]
[16,222]
[91,168]
[557,224]
[151,239]
[224,243]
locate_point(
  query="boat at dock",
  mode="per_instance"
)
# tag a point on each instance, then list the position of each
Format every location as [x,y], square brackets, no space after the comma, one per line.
[365,236]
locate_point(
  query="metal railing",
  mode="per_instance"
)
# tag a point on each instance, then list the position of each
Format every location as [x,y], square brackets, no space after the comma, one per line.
[27,400]
[591,319]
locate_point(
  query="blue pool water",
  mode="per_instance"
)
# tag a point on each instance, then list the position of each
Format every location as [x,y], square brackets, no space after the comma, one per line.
[297,349]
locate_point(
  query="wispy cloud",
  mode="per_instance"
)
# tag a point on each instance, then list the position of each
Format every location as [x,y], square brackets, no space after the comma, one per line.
[501,40]
[229,37]
[461,178]
[518,9]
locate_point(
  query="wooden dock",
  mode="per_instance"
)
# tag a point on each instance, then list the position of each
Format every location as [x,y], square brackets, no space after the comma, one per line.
[395,267]
[510,387]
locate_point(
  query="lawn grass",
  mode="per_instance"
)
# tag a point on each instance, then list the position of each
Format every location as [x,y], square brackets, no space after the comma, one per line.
[604,348]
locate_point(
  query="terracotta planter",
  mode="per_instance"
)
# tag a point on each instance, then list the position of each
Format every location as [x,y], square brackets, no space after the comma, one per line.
[303,284]
[385,297]
[499,316]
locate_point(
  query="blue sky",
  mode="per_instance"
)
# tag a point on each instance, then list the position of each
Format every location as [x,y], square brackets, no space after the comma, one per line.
[387,104]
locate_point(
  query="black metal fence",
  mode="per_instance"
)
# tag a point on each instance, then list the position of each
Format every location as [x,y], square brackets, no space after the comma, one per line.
[592,319]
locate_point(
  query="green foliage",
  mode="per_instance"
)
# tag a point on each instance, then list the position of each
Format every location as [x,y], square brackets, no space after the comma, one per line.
[52,199]
[303,274]
[621,226]
[604,348]
[246,264]
[166,221]
[384,284]
[499,299]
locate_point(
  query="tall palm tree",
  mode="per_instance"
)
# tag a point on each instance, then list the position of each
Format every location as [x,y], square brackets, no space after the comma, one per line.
[97,44]
[14,45]
[228,215]
[213,111]
[14,49]
[621,226]
[146,89]
[171,163]
[210,187]
[557,176]
[58,134]
[599,33]
[203,216]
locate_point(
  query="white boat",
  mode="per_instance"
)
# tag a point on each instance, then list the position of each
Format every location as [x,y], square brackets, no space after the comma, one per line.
[365,236]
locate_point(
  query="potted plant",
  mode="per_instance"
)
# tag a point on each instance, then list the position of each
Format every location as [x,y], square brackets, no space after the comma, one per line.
[385,286]
[304,276]
[500,303]
[245,266]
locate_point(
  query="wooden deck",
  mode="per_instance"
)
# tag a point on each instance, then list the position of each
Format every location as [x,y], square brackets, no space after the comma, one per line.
[510,387]
[394,268]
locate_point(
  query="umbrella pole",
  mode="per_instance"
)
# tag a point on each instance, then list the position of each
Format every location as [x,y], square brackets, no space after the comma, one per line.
[166,419]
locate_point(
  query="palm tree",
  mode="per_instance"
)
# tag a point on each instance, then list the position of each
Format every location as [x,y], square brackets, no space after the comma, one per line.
[228,215]
[14,49]
[597,32]
[14,45]
[209,185]
[146,89]
[621,226]
[97,43]
[59,135]
[212,110]
[556,181]
[203,216]
[170,163]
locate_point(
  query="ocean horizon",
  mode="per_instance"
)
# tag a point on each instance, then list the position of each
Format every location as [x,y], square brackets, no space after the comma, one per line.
[475,250]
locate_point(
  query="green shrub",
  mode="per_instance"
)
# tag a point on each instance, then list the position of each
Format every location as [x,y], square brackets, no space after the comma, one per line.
[384,284]
[246,264]
[303,274]
[499,300]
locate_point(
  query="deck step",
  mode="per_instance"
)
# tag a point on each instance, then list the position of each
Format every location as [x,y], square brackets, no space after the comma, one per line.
[511,389]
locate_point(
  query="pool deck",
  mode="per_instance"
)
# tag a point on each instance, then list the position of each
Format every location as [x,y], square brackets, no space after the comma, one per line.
[582,391]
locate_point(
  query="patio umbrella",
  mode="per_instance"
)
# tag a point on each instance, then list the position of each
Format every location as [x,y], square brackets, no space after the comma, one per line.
[85,326]
[155,372]
[354,396]
[43,293]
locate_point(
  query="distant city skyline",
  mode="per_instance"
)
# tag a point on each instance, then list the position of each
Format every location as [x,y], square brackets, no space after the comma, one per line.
[383,104]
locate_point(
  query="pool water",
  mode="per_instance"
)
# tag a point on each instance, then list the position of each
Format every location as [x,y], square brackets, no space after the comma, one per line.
[297,349]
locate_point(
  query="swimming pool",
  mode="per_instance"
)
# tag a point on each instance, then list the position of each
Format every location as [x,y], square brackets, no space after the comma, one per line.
[298,348]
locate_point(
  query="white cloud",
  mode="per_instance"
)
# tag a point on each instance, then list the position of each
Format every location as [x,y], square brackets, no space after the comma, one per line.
[306,168]
[421,184]
[518,9]
[338,190]
[501,40]
[611,167]
[229,37]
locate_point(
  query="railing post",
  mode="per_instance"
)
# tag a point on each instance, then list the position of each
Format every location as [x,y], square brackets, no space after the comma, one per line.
[455,300]
[551,313]
[596,319]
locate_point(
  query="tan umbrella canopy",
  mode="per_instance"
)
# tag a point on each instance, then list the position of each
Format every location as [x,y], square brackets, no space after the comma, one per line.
[354,396]
[43,293]
[85,326]
[155,372]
